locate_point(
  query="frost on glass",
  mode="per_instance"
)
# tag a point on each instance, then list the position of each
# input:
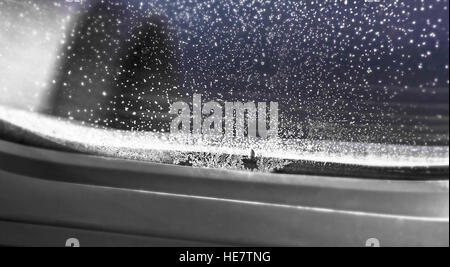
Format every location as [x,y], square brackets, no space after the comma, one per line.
[341,71]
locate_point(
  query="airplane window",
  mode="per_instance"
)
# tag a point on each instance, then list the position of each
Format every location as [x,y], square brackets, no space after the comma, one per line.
[244,84]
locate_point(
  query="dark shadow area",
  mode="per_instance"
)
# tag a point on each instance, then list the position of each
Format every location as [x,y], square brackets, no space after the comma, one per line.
[118,71]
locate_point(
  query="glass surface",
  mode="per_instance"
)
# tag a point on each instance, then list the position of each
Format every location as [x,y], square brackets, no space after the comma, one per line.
[364,76]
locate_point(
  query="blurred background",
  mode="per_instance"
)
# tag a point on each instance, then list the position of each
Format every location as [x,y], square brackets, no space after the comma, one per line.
[341,70]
